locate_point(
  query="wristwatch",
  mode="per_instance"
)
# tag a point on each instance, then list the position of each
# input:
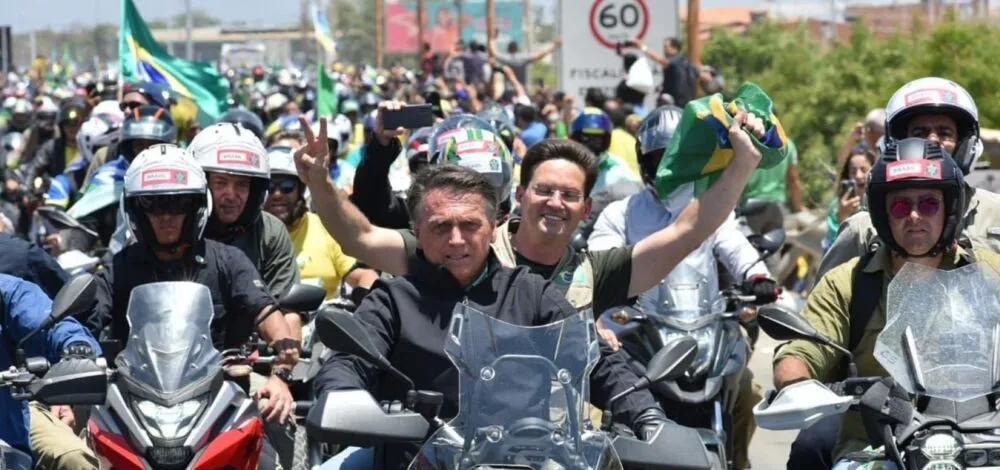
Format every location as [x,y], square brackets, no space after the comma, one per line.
[283,373]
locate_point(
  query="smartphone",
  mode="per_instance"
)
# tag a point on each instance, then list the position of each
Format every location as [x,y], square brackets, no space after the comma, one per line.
[409,117]
[850,187]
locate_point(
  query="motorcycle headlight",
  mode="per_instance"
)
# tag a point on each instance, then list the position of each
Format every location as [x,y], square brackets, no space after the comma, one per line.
[169,422]
[941,451]
[706,346]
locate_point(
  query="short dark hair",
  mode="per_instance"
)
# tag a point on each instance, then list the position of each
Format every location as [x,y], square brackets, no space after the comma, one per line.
[629,60]
[570,150]
[594,97]
[675,43]
[526,112]
[452,178]
[512,47]
[617,115]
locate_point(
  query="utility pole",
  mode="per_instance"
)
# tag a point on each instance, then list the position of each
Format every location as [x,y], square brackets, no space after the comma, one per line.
[694,32]
[461,19]
[489,27]
[528,26]
[190,24]
[420,29]
[304,27]
[379,32]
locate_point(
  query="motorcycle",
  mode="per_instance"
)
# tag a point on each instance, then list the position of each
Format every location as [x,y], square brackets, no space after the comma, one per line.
[169,404]
[688,303]
[521,404]
[941,348]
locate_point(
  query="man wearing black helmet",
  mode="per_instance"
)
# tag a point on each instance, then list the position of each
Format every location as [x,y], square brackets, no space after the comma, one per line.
[917,199]
[135,95]
[629,220]
[247,119]
[55,155]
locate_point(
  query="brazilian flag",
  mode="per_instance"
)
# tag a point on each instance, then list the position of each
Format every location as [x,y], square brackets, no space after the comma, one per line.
[202,89]
[700,148]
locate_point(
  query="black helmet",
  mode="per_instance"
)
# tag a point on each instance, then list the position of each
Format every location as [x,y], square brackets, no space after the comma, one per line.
[247,119]
[653,136]
[72,109]
[910,164]
[147,122]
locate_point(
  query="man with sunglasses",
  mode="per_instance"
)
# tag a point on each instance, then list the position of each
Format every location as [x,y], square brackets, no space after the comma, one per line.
[916,199]
[136,96]
[942,111]
[320,258]
[167,207]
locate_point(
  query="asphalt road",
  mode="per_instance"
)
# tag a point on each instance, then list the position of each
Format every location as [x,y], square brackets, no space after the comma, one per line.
[769,449]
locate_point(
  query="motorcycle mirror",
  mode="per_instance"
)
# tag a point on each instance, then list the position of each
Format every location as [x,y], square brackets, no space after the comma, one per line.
[76,296]
[772,241]
[302,298]
[72,382]
[340,331]
[783,325]
[754,206]
[671,361]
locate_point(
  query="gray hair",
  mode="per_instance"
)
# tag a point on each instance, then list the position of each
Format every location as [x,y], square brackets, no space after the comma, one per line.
[453,178]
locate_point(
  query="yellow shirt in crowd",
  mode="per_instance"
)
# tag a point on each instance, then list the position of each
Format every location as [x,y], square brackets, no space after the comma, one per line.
[623,145]
[320,259]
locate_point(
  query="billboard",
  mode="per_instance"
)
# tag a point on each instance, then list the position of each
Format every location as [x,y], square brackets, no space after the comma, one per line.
[441,23]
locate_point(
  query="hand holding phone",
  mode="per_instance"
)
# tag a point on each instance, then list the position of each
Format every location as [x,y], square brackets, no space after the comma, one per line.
[408,117]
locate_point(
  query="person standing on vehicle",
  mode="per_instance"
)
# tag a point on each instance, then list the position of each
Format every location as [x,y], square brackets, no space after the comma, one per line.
[238,175]
[50,436]
[628,221]
[454,219]
[680,77]
[916,200]
[318,256]
[167,207]
[942,111]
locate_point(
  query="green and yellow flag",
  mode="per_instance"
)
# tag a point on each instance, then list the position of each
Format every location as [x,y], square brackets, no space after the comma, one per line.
[141,58]
[326,97]
[700,148]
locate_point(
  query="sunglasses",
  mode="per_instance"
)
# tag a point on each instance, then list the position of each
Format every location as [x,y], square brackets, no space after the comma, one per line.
[129,106]
[902,207]
[172,205]
[286,186]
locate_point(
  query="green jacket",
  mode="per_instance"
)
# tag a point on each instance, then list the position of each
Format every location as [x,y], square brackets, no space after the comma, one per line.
[828,310]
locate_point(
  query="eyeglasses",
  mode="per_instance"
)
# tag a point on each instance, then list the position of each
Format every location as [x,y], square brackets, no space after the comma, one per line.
[285,185]
[567,195]
[902,207]
[172,205]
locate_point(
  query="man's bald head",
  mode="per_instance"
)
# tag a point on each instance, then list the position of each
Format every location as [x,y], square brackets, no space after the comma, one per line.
[874,126]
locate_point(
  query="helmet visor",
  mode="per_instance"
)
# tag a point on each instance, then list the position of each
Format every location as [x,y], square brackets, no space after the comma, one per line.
[174,205]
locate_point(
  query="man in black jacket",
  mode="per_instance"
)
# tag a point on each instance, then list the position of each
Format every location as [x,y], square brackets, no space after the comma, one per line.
[454,211]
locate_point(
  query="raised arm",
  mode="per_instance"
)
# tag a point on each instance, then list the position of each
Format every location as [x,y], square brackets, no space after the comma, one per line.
[546,51]
[655,256]
[377,247]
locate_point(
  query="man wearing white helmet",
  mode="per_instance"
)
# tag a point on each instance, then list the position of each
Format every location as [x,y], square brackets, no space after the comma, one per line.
[167,208]
[238,174]
[942,111]
[319,257]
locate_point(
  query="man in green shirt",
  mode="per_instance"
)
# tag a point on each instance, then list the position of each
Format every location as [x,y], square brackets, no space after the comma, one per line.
[916,201]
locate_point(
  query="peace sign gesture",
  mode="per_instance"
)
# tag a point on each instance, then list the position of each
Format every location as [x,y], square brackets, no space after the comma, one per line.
[312,160]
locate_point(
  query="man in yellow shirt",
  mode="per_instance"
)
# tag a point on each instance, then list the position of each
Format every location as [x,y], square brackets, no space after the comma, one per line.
[622,142]
[320,259]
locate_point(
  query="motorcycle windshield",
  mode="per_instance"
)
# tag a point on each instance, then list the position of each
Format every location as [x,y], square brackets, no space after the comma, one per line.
[941,332]
[170,346]
[13,458]
[105,188]
[684,297]
[522,395]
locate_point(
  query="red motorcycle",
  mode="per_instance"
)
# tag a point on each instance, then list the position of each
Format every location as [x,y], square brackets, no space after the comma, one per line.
[170,404]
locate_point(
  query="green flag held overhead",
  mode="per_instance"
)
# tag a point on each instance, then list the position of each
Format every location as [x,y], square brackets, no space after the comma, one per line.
[326,99]
[141,58]
[700,148]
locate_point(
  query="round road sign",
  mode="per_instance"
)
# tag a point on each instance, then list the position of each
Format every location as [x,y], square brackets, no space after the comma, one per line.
[613,21]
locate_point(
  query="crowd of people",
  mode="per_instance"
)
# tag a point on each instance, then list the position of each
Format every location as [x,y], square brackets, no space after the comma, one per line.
[528,204]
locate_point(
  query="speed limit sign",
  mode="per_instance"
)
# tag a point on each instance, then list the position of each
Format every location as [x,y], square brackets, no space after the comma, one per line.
[613,21]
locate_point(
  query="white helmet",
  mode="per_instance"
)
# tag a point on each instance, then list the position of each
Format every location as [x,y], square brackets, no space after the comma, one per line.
[933,95]
[281,161]
[109,108]
[339,130]
[96,132]
[231,148]
[166,175]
